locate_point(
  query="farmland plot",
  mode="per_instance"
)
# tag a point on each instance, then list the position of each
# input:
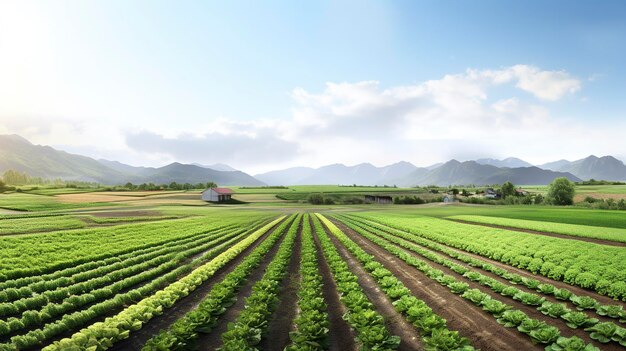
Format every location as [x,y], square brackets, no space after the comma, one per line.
[242,280]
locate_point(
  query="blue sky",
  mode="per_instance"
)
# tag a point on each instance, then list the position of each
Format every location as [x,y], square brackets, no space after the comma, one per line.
[219,81]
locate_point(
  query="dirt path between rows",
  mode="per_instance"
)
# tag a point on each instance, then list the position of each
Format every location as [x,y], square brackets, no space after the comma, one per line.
[530,231]
[471,321]
[524,273]
[531,311]
[522,287]
[281,323]
[341,337]
[212,340]
[394,321]
[186,304]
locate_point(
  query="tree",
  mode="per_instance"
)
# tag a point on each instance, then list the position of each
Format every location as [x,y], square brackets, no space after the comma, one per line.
[211,185]
[561,192]
[507,189]
[455,191]
[316,199]
[538,199]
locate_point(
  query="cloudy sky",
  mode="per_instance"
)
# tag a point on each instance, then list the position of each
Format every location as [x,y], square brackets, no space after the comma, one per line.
[266,85]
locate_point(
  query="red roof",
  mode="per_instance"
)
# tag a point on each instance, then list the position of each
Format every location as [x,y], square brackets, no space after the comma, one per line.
[223,191]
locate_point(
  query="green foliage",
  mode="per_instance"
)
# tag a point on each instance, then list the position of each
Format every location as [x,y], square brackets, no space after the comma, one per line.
[507,189]
[561,192]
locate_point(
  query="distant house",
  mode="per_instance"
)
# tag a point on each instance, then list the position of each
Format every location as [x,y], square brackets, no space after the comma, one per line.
[378,199]
[491,194]
[521,192]
[217,194]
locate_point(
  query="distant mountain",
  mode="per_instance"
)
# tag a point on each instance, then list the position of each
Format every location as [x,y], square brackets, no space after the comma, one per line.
[471,172]
[592,167]
[555,166]
[43,161]
[436,165]
[361,174]
[511,162]
[217,166]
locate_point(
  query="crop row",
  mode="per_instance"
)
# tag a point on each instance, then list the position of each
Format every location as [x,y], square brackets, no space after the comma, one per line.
[598,331]
[584,302]
[431,326]
[361,314]
[127,278]
[538,331]
[27,225]
[39,293]
[585,231]
[184,331]
[26,286]
[29,255]
[597,267]
[312,321]
[246,332]
[112,329]
[71,322]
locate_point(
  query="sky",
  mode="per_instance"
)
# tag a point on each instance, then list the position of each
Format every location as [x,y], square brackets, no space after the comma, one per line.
[275,84]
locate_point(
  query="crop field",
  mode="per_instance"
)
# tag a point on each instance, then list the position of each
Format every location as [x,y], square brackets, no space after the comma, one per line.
[281,277]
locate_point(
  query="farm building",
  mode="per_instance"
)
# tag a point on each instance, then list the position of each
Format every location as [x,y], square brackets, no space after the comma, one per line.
[491,194]
[521,192]
[378,199]
[217,194]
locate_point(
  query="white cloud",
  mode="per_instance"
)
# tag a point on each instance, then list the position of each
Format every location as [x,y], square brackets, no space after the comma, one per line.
[477,113]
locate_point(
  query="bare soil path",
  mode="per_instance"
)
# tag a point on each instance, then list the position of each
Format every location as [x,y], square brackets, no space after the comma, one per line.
[394,321]
[471,321]
[281,323]
[524,273]
[531,311]
[340,334]
[186,304]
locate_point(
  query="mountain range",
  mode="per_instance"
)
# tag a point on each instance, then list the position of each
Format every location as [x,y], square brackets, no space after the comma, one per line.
[19,154]
[44,161]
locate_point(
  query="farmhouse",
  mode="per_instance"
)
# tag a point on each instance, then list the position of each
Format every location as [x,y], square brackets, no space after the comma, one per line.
[378,199]
[491,194]
[217,194]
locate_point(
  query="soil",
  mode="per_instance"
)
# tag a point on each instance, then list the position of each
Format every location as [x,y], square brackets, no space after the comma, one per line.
[531,311]
[212,339]
[186,304]
[341,337]
[522,287]
[394,321]
[555,235]
[469,320]
[524,273]
[281,324]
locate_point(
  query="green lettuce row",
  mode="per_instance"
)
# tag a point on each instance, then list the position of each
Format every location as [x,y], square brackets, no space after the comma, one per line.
[539,331]
[184,332]
[369,325]
[554,310]
[15,289]
[20,287]
[29,255]
[102,335]
[247,330]
[312,321]
[582,302]
[597,267]
[130,277]
[433,328]
[70,322]
[98,278]
[23,255]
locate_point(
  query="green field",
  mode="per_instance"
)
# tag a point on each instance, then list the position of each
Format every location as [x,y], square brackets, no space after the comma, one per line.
[272,273]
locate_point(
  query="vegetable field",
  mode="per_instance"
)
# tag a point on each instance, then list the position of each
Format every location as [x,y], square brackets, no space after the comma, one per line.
[311,279]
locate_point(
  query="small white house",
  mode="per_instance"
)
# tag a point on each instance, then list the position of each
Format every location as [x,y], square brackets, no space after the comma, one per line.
[217,194]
